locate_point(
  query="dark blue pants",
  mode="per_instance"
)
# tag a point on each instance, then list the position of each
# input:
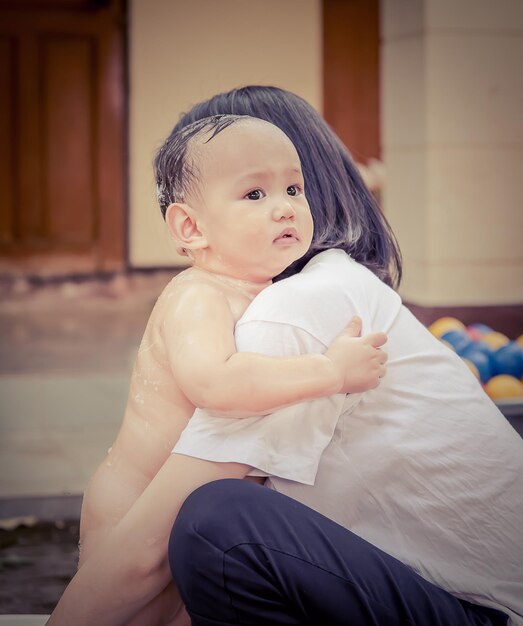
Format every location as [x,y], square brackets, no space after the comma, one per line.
[244,554]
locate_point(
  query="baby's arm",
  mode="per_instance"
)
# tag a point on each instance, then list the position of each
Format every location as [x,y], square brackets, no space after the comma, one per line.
[198,332]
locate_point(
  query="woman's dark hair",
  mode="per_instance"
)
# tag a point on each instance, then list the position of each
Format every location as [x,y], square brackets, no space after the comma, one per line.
[346,214]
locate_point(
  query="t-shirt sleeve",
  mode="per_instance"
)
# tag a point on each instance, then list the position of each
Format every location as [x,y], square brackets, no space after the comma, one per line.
[287,443]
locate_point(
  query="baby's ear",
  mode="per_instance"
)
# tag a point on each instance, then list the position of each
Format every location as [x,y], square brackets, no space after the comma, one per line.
[183,226]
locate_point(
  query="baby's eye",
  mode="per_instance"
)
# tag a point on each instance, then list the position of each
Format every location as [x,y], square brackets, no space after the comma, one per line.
[255,194]
[294,190]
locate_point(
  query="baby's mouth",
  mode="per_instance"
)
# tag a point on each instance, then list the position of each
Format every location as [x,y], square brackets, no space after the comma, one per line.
[289,235]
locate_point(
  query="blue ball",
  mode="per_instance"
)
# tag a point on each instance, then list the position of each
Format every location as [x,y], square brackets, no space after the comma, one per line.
[482,359]
[481,328]
[509,360]
[482,347]
[458,339]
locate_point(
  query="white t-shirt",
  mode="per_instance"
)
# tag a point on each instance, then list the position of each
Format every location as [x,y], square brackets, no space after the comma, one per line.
[425,466]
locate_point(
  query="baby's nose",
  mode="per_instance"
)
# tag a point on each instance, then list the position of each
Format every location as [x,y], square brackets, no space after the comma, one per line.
[284,211]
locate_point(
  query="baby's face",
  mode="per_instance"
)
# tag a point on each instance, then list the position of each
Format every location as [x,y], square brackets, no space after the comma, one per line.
[251,202]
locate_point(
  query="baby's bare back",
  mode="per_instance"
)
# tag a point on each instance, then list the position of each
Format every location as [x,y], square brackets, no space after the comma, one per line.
[157,411]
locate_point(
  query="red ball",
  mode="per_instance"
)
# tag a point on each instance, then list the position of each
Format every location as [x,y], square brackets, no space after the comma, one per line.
[474,333]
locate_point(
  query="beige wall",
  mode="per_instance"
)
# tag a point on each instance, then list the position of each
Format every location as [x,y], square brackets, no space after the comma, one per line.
[452,133]
[182,51]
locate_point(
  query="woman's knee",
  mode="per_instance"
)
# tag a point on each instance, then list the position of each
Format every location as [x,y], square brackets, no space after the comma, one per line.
[206,527]
[208,517]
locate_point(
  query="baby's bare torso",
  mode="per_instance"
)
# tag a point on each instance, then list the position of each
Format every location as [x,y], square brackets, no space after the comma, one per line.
[157,411]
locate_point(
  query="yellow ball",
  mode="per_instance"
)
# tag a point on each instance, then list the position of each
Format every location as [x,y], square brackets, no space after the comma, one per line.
[444,324]
[495,340]
[504,386]
[519,340]
[472,368]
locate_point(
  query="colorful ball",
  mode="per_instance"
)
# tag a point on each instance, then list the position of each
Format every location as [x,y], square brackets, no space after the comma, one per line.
[457,338]
[495,340]
[503,386]
[444,325]
[519,341]
[482,346]
[474,333]
[483,329]
[509,360]
[481,359]
[472,368]
[449,345]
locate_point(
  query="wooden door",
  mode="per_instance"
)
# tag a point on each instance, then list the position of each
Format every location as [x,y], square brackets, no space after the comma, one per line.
[62,135]
[351,74]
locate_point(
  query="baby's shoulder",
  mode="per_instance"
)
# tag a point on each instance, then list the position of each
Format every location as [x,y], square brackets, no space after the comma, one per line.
[189,293]
[192,283]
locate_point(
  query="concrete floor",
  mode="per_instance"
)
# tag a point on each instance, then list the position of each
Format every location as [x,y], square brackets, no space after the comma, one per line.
[67,351]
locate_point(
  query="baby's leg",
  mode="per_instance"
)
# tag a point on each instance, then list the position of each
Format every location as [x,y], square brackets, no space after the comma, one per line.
[166,609]
[88,543]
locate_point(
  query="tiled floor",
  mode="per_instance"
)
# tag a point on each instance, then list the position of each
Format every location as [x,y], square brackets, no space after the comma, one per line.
[66,355]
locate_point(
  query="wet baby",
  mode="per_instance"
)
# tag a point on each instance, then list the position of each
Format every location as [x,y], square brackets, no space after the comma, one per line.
[232,194]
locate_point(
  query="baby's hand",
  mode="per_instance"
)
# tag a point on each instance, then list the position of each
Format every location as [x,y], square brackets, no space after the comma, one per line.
[359,360]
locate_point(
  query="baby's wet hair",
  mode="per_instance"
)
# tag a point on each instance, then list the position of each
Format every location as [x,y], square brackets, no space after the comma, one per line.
[176,169]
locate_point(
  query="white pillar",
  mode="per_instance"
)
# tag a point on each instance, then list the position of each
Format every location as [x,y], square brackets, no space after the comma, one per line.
[452,134]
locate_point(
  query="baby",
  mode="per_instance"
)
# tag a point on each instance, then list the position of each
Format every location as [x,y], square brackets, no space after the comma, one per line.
[232,194]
